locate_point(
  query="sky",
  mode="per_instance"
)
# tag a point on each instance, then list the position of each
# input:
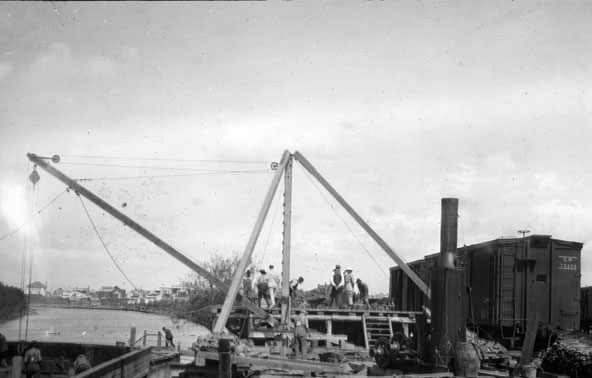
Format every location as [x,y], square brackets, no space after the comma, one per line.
[173,113]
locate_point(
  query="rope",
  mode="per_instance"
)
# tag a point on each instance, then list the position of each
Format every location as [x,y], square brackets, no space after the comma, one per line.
[277,205]
[30,218]
[163,159]
[103,243]
[346,225]
[165,176]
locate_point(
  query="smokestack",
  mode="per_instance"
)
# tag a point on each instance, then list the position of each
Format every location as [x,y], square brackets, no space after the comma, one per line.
[448,290]
[448,232]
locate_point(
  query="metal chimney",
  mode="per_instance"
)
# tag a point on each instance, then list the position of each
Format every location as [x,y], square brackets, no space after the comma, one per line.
[448,232]
[448,290]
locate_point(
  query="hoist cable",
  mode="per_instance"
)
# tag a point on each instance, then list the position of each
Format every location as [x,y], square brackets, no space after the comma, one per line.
[146,167]
[103,242]
[165,159]
[165,176]
[346,225]
[277,205]
[31,217]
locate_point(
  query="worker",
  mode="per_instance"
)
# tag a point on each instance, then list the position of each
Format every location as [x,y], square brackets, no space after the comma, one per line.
[294,286]
[3,350]
[33,360]
[273,282]
[349,284]
[263,287]
[248,287]
[363,289]
[336,286]
[81,364]
[300,335]
[168,335]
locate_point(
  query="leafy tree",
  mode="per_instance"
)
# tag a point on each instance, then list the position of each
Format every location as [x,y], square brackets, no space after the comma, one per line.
[12,301]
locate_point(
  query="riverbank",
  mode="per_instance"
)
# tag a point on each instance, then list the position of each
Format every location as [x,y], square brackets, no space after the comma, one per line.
[96,326]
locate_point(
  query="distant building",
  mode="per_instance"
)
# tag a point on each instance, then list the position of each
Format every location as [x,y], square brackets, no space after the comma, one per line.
[111,292]
[37,288]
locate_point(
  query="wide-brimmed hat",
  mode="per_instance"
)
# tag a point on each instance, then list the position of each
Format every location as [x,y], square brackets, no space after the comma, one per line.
[337,267]
[350,269]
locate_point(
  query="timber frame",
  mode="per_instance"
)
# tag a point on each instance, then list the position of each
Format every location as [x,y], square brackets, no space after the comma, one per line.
[284,168]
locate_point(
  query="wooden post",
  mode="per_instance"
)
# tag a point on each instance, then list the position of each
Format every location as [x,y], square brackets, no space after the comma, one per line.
[224,359]
[145,337]
[17,366]
[158,339]
[400,262]
[365,330]
[329,327]
[286,301]
[242,266]
[132,336]
[532,326]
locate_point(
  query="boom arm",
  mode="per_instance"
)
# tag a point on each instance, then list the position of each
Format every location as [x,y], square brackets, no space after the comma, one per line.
[144,232]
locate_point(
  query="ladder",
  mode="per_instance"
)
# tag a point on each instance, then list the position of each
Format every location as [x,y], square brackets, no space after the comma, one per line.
[376,327]
[508,287]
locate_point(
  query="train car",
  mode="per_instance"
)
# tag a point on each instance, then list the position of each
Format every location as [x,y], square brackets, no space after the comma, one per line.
[507,279]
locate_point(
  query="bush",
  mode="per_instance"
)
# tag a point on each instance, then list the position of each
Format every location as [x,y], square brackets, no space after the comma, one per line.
[12,301]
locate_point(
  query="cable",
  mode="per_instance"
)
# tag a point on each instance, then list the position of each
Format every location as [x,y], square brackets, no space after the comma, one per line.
[277,205]
[145,167]
[346,225]
[164,176]
[164,159]
[103,243]
[30,218]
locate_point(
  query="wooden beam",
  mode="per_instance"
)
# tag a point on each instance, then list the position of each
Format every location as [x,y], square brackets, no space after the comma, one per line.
[79,189]
[532,326]
[281,363]
[391,252]
[242,266]
[286,301]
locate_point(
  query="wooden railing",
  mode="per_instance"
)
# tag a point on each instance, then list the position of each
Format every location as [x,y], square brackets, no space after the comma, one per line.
[134,364]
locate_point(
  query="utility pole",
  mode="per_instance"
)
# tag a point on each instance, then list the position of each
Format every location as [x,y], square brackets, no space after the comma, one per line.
[525,273]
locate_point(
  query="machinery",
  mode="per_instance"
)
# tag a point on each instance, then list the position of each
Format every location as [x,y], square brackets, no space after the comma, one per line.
[398,350]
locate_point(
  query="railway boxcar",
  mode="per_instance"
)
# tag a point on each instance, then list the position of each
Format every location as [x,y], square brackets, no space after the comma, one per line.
[508,278]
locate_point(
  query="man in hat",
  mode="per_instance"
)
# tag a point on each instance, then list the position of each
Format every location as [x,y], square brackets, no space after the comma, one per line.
[348,284]
[263,288]
[33,360]
[294,286]
[363,289]
[336,286]
[300,335]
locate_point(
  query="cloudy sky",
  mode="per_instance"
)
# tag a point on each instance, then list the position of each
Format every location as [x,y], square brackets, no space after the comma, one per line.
[174,112]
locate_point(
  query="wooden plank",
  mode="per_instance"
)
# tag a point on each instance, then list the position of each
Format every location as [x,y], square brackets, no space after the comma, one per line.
[365,330]
[242,266]
[391,252]
[281,363]
[532,325]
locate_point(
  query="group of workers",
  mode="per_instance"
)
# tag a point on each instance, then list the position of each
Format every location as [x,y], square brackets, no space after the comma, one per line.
[343,286]
[261,284]
[33,360]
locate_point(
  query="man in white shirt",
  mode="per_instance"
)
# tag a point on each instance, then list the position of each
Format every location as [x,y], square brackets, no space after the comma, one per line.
[273,283]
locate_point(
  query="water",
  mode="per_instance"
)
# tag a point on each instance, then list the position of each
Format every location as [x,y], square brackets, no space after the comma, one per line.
[94,326]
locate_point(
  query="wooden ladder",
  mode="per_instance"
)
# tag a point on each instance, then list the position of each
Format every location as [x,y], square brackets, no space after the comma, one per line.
[375,328]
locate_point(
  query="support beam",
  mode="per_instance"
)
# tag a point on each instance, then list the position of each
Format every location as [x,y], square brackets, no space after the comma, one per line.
[400,262]
[41,162]
[286,300]
[242,266]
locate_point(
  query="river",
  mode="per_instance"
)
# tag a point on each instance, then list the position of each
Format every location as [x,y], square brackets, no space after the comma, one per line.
[94,326]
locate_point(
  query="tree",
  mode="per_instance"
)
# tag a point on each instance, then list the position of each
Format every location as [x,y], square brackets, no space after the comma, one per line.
[12,301]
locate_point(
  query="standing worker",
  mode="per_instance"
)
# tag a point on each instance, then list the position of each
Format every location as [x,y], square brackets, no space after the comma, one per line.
[168,335]
[263,287]
[273,283]
[336,286]
[349,284]
[248,287]
[33,360]
[300,335]
[3,350]
[363,288]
